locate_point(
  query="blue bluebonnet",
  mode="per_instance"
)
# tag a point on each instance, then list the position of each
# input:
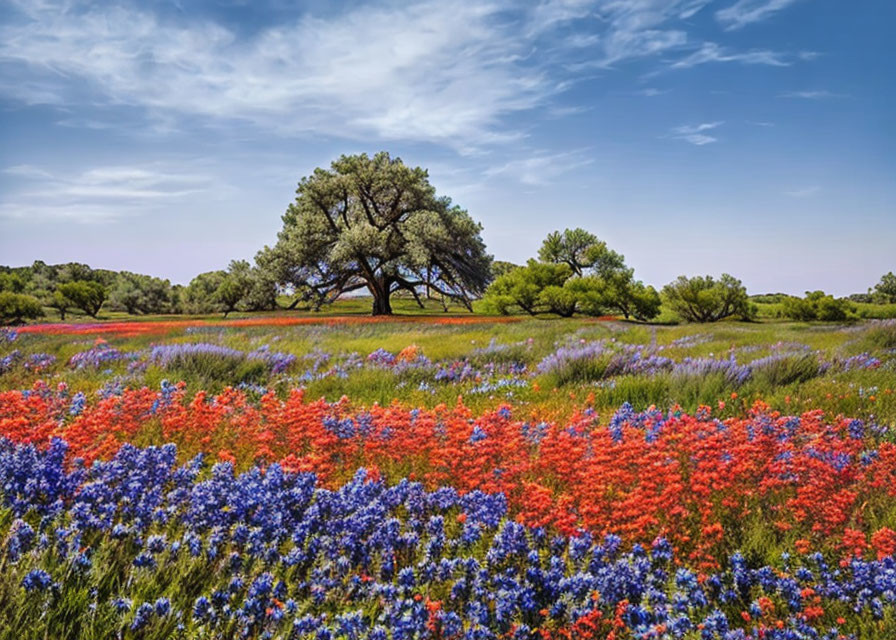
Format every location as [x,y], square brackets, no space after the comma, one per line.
[361,558]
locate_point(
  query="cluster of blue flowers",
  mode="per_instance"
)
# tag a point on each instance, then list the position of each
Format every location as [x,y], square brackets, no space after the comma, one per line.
[8,361]
[35,362]
[701,368]
[462,370]
[141,545]
[97,357]
[610,359]
[175,355]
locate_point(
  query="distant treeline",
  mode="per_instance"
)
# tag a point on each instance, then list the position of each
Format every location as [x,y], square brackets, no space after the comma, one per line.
[25,292]
[32,292]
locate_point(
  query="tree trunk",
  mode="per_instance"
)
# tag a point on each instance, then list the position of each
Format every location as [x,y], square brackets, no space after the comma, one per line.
[381,288]
[381,305]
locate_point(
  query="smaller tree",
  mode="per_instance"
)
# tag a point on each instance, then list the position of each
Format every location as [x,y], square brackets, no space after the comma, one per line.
[620,292]
[522,288]
[562,300]
[229,293]
[58,301]
[15,308]
[704,299]
[257,287]
[12,282]
[136,293]
[75,272]
[234,287]
[200,295]
[581,250]
[85,295]
[817,305]
[885,290]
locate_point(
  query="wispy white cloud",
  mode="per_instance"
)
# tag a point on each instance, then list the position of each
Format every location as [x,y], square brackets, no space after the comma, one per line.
[712,52]
[641,28]
[651,92]
[745,12]
[804,192]
[695,133]
[816,94]
[444,71]
[540,169]
[103,193]
[449,72]
[563,112]
[691,8]
[27,171]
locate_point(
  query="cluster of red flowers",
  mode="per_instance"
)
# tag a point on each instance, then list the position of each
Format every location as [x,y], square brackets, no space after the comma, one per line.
[700,482]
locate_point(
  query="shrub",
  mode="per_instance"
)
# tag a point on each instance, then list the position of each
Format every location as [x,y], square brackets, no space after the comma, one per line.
[816,306]
[885,290]
[580,363]
[86,295]
[205,361]
[522,288]
[18,307]
[137,293]
[782,369]
[704,299]
[882,333]
[217,363]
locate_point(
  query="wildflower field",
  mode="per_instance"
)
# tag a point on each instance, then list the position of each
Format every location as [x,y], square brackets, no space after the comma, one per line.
[457,477]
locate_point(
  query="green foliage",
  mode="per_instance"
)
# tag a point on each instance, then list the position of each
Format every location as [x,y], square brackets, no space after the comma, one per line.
[59,302]
[780,371]
[704,299]
[86,295]
[17,307]
[522,288]
[577,274]
[12,282]
[216,370]
[140,294]
[200,296]
[620,292]
[582,251]
[885,290]
[500,267]
[816,306]
[561,300]
[247,288]
[882,335]
[769,298]
[376,224]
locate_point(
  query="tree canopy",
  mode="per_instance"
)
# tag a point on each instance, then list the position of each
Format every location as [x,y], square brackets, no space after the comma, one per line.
[18,307]
[137,293]
[582,251]
[817,305]
[885,290]
[577,273]
[375,223]
[86,295]
[705,299]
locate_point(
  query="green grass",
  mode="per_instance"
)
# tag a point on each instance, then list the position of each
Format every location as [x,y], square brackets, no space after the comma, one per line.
[793,385]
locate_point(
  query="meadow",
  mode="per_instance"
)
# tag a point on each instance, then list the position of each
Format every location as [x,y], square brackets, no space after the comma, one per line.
[334,476]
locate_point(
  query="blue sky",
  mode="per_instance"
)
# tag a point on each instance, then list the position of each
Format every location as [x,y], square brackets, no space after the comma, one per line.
[755,137]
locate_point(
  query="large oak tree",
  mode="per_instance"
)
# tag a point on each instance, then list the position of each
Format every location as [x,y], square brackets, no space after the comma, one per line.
[375,223]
